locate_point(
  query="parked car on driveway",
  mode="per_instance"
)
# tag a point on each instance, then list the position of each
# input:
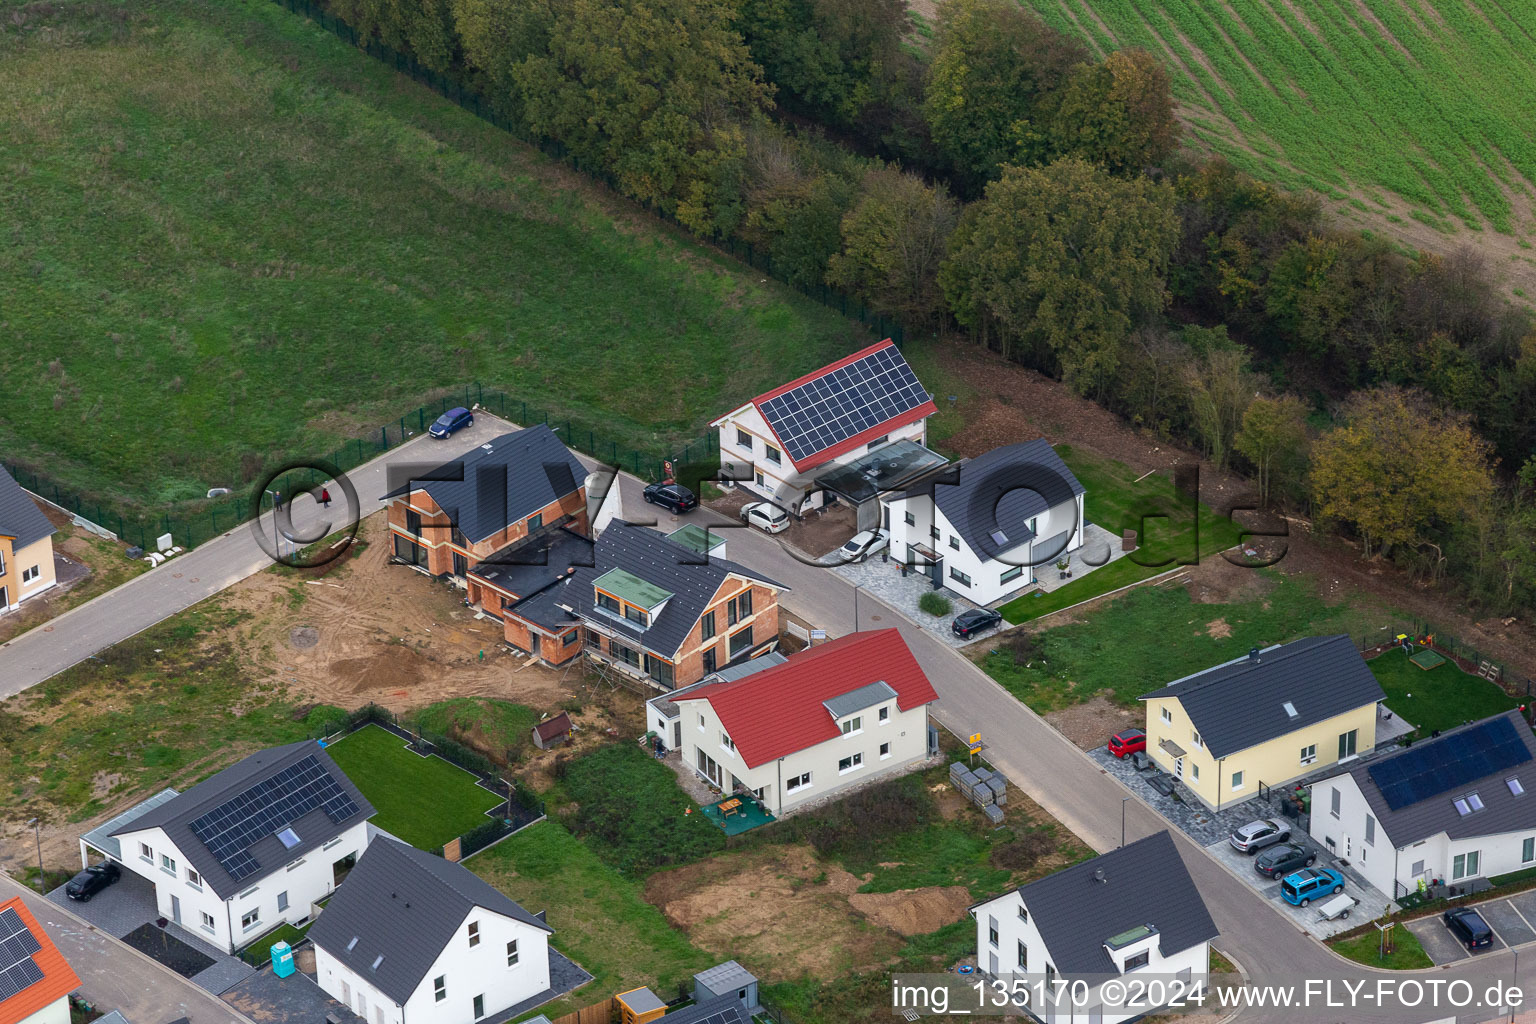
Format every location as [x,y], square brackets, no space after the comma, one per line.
[1127,742]
[673,497]
[967,624]
[451,421]
[864,544]
[1468,926]
[92,880]
[765,516]
[1256,835]
[1300,888]
[1282,859]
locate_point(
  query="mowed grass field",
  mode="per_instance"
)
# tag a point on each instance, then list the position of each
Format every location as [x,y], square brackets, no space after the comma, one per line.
[1416,107]
[228,235]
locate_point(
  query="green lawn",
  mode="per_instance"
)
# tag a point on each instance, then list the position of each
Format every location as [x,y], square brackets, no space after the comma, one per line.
[1406,955]
[236,238]
[423,800]
[600,917]
[1440,697]
[259,952]
[1149,637]
[1174,531]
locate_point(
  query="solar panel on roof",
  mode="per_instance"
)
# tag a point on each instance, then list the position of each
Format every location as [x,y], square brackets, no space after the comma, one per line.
[1432,768]
[18,971]
[270,805]
[835,406]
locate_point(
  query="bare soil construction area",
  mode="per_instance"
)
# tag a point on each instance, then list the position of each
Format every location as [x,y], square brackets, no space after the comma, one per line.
[785,910]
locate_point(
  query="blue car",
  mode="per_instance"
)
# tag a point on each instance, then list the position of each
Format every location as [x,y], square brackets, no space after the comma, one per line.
[450,421]
[1302,887]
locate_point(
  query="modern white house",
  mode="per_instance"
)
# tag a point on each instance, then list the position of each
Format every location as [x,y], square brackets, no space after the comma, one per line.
[1132,911]
[787,443]
[250,848]
[826,719]
[417,939]
[35,979]
[987,527]
[1453,809]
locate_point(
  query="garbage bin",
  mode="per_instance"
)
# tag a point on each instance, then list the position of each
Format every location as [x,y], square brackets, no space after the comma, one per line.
[282,959]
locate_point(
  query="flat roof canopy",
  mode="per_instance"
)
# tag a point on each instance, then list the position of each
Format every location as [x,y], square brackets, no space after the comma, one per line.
[887,468]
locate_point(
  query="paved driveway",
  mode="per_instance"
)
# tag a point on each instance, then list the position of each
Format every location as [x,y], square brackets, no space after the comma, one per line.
[1513,920]
[1372,902]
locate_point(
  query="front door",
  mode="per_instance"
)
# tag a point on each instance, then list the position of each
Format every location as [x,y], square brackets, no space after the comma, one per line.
[936,572]
[1178,768]
[677,735]
[176,909]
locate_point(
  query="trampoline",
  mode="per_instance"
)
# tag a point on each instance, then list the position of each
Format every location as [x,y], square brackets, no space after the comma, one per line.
[1427,659]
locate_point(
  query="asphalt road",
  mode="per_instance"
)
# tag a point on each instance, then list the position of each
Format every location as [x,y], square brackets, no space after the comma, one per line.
[1033,755]
[115,976]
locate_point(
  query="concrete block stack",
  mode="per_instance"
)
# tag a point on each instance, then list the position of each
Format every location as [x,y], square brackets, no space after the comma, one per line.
[987,789]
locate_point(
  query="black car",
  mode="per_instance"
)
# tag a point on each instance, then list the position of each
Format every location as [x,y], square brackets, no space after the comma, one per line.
[1468,926]
[674,497]
[968,624]
[1279,861]
[92,880]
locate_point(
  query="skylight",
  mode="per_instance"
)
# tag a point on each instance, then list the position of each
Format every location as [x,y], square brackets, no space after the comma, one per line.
[352,944]
[1514,786]
[999,538]
[1290,709]
[1475,801]
[377,960]
[1462,807]
[289,838]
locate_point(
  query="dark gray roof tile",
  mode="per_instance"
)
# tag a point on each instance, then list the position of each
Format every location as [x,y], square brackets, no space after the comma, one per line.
[19,515]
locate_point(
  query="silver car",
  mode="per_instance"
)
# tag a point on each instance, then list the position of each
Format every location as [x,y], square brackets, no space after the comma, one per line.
[1256,835]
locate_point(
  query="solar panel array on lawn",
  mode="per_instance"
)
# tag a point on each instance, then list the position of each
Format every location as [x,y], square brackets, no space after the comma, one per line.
[1441,765]
[272,804]
[835,406]
[18,971]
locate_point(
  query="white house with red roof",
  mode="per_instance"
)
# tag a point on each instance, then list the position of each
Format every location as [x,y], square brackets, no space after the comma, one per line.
[788,444]
[824,720]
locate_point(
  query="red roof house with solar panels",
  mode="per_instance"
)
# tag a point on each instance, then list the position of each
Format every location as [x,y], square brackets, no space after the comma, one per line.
[35,980]
[828,718]
[790,444]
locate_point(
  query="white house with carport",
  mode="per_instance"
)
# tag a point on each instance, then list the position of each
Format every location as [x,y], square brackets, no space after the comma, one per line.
[781,444]
[254,846]
[417,939]
[1455,809]
[831,717]
[1132,911]
[984,526]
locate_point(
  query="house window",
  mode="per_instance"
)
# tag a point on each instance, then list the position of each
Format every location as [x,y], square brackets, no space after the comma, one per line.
[884,716]
[627,655]
[1237,781]
[954,542]
[741,641]
[206,920]
[474,934]
[992,931]
[797,782]
[571,637]
[877,442]
[634,614]
[1370,830]
[28,575]
[194,879]
[738,607]
[959,577]
[773,454]
[1194,772]
[850,762]
[1309,753]
[726,742]
[743,439]
[282,901]
[1023,956]
[1528,850]
[145,853]
[1333,802]
[1137,960]
[610,604]
[479,1006]
[707,626]
[456,535]
[1167,717]
[1347,743]
[167,864]
[1194,737]
[1023,913]
[853,725]
[1418,868]
[909,518]
[709,661]
[1465,865]
[1010,575]
[535,521]
[885,751]
[512,954]
[250,919]
[659,670]
[439,988]
[701,723]
[413,522]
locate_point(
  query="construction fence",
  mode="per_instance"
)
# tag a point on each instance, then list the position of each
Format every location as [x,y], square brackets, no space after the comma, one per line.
[1465,656]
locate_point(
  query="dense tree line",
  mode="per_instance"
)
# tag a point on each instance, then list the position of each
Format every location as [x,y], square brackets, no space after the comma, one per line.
[998,179]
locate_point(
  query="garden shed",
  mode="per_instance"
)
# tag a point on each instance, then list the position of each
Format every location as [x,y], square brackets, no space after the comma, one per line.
[553,732]
[727,979]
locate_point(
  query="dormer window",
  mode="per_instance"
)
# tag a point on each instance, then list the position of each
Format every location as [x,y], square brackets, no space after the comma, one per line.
[608,603]
[1138,960]
[853,725]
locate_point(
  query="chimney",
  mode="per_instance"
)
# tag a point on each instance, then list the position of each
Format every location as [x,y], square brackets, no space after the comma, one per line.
[1253,655]
[1098,875]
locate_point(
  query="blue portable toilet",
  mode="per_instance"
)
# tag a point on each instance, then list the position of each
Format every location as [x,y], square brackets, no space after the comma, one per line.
[282,959]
